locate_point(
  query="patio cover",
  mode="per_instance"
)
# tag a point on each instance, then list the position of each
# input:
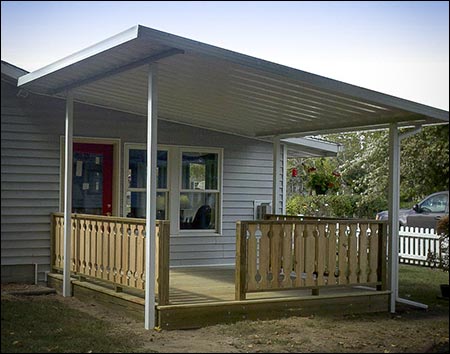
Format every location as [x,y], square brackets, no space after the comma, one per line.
[206,86]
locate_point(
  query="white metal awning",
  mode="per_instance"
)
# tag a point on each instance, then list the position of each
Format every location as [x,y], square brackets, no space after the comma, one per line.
[206,86]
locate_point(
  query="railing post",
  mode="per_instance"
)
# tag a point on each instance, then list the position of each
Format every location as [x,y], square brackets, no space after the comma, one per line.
[52,240]
[382,248]
[163,262]
[241,261]
[76,243]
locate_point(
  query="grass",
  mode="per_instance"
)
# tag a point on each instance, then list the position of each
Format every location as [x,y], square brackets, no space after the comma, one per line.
[41,324]
[421,284]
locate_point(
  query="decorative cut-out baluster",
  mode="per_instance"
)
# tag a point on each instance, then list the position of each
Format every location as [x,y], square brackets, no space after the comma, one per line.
[287,257]
[310,244]
[363,254]
[132,255]
[352,255]
[140,262]
[80,251]
[126,253]
[73,240]
[332,262]
[373,253]
[275,252]
[258,276]
[298,254]
[89,247]
[342,254]
[321,254]
[57,245]
[264,255]
[251,256]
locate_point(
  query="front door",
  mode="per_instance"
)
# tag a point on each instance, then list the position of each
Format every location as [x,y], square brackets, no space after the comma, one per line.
[92,179]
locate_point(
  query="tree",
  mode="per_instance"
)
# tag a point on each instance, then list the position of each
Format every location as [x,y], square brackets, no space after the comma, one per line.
[425,163]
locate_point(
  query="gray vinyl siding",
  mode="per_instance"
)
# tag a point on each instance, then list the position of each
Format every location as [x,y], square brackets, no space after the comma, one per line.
[29,188]
[30,175]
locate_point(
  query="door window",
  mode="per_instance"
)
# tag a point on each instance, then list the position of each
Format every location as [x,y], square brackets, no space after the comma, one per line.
[92,179]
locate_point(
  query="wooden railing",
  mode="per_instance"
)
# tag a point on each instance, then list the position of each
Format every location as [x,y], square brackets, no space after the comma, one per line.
[309,253]
[112,249]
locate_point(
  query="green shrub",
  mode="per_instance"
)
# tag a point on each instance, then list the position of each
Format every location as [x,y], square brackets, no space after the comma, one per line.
[329,205]
[324,205]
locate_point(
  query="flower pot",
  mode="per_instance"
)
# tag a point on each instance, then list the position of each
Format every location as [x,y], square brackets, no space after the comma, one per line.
[445,290]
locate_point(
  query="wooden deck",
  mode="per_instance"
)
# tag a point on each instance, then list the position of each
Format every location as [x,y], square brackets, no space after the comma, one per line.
[201,296]
[283,267]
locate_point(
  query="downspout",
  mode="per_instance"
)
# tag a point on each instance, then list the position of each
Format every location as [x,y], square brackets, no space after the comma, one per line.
[394,205]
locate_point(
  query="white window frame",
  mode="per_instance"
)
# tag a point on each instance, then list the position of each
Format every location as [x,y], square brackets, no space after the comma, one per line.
[174,170]
[219,151]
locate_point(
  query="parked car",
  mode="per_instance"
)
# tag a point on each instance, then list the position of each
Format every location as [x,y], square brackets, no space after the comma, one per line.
[425,214]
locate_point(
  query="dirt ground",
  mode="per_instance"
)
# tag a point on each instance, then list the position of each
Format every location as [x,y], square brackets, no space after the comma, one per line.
[410,330]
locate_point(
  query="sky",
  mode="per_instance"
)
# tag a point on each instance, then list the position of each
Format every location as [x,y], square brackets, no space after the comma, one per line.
[397,48]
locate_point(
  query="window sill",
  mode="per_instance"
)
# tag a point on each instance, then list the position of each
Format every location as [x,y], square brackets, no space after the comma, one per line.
[199,232]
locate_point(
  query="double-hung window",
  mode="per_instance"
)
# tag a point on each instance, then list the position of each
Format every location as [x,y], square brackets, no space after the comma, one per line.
[188,177]
[200,193]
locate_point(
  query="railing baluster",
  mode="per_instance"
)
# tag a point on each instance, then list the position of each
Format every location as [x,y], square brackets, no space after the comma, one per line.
[287,254]
[373,254]
[353,255]
[332,254]
[342,254]
[310,255]
[251,257]
[363,254]
[298,254]
[321,254]
[264,246]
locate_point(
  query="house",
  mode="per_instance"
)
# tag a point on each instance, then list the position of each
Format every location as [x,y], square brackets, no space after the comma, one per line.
[32,158]
[207,132]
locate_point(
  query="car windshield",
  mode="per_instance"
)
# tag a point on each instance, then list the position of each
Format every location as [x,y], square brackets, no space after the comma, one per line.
[436,204]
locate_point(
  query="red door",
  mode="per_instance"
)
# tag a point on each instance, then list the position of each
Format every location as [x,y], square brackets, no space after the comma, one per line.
[92,179]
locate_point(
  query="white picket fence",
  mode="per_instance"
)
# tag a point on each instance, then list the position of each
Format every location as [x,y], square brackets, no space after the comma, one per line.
[416,244]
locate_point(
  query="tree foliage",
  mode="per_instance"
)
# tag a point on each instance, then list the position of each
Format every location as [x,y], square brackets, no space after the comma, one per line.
[363,168]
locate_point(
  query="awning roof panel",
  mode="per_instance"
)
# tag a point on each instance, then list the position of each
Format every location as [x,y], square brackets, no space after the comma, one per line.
[222,90]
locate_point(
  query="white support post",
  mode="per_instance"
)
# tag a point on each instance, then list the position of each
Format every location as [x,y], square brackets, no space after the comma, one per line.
[150,240]
[276,175]
[68,158]
[394,203]
[285,153]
